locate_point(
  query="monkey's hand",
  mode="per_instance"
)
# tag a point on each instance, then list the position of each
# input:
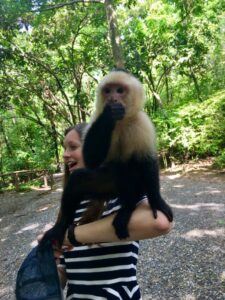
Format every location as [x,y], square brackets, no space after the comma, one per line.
[161,205]
[115,111]
[55,234]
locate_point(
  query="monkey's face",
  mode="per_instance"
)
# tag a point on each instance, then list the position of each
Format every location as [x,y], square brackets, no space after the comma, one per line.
[122,88]
[115,93]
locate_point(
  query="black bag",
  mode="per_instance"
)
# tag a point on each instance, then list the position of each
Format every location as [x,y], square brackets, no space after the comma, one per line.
[37,278]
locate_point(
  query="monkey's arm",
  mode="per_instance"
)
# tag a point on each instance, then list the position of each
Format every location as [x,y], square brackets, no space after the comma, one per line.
[82,184]
[98,138]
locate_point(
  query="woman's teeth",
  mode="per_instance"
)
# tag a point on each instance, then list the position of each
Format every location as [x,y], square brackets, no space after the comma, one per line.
[72,164]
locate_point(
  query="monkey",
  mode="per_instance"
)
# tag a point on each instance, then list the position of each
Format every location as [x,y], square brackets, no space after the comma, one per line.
[119,150]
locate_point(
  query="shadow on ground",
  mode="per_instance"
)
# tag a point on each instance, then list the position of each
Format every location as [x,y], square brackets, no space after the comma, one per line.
[187,264]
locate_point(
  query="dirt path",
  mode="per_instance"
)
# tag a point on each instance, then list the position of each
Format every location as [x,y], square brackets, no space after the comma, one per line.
[187,264]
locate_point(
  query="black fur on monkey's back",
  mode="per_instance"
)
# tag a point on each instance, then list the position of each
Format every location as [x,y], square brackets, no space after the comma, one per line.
[106,177]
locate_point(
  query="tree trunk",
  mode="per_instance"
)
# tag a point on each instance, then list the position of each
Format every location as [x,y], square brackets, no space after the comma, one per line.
[6,140]
[167,86]
[54,135]
[114,34]
[157,100]
[55,141]
[194,78]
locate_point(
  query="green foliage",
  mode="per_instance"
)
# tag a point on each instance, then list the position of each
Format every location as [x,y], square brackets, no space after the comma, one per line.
[28,185]
[172,47]
[46,82]
[51,60]
[28,147]
[193,130]
[24,186]
[220,160]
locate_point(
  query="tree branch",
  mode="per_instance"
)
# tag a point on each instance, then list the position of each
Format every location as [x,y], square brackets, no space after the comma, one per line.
[66,4]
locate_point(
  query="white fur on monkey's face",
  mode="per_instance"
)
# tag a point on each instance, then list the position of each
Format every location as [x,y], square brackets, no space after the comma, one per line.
[115,92]
[121,87]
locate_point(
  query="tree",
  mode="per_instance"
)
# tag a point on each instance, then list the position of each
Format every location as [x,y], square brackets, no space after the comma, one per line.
[52,54]
[53,90]
[114,35]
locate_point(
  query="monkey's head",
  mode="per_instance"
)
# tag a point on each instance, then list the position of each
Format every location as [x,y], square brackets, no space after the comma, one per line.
[120,86]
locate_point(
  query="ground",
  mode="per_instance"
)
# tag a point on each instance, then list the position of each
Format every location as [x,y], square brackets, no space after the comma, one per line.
[186,264]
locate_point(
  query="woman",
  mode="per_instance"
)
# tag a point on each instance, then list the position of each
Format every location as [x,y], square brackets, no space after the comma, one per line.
[103,267]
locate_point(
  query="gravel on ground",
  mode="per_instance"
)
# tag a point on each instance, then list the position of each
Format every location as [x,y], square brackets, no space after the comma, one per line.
[186,264]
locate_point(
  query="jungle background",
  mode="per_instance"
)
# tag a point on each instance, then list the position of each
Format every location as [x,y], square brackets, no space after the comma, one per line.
[54,52]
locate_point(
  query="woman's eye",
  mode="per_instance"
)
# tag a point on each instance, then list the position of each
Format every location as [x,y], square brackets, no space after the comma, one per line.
[74,147]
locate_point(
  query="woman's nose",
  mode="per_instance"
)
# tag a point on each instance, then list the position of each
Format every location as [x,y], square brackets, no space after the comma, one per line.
[66,154]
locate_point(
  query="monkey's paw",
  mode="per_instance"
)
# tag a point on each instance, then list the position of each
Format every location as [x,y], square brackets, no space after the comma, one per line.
[55,235]
[120,223]
[115,110]
[163,207]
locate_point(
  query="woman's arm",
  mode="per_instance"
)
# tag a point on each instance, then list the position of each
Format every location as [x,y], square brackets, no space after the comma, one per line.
[142,225]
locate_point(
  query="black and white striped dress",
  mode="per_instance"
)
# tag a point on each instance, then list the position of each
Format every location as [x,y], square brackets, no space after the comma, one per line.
[105,271]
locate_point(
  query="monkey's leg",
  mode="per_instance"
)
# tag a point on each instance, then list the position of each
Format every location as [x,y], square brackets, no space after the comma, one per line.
[151,181]
[82,184]
[129,194]
[120,222]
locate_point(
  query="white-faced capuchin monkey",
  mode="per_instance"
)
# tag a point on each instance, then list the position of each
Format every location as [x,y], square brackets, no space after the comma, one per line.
[120,156]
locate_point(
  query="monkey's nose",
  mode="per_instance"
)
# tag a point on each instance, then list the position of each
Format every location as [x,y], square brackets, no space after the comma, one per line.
[113,100]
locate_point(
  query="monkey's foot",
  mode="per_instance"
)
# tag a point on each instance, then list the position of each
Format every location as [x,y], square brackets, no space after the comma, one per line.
[120,223]
[163,207]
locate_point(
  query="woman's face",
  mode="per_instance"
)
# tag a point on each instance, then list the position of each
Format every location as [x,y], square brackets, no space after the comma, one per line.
[72,151]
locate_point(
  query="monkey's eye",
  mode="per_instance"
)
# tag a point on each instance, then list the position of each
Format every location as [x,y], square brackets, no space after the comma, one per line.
[120,90]
[106,90]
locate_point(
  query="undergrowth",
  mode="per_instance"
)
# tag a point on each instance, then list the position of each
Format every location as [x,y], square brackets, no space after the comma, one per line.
[192,131]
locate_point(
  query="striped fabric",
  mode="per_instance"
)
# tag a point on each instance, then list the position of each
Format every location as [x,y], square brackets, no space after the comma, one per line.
[103,271]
